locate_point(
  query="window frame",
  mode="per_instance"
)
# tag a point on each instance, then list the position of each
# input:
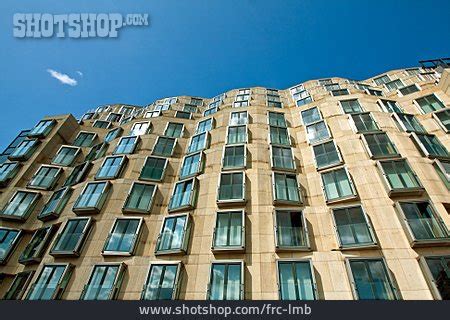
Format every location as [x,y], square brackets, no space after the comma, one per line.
[362,110]
[192,197]
[382,82]
[370,228]
[54,181]
[240,142]
[383,107]
[360,114]
[392,81]
[166,162]
[180,112]
[114,114]
[239,248]
[99,203]
[76,252]
[200,168]
[135,210]
[272,160]
[27,155]
[423,149]
[205,145]
[97,151]
[13,245]
[20,292]
[62,282]
[213,125]
[426,96]
[27,211]
[302,118]
[439,121]
[147,131]
[400,93]
[94,138]
[297,260]
[350,197]
[117,132]
[247,118]
[41,248]
[269,138]
[82,174]
[223,168]
[62,202]
[428,275]
[283,248]
[74,159]
[183,127]
[311,143]
[414,242]
[402,191]
[437,164]
[117,283]
[133,150]
[176,282]
[43,134]
[400,123]
[221,202]
[239,262]
[340,92]
[341,160]
[11,173]
[369,152]
[134,244]
[184,243]
[276,201]
[104,121]
[120,170]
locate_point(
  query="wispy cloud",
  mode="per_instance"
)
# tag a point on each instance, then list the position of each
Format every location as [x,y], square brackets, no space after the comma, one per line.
[63,78]
[80,74]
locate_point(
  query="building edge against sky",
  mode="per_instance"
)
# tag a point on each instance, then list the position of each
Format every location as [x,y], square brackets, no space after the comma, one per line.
[331,189]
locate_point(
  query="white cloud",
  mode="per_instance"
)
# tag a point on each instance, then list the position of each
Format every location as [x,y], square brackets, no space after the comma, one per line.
[63,78]
[80,73]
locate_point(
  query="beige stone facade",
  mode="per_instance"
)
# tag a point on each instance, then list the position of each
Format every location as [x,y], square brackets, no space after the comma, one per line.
[404,257]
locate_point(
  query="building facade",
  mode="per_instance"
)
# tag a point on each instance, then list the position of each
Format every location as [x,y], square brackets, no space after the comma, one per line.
[331,189]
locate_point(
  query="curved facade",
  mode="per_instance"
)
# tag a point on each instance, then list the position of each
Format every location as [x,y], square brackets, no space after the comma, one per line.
[331,189]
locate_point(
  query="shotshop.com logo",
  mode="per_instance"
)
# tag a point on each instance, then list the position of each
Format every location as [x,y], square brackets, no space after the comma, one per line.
[74,25]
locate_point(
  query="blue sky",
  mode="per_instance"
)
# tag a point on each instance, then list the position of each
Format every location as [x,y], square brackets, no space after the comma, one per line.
[206,47]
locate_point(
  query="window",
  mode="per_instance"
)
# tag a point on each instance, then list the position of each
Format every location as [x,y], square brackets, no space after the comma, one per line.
[291,232]
[162,282]
[326,155]
[351,106]
[242,98]
[390,106]
[381,80]
[92,197]
[198,142]
[332,86]
[111,167]
[20,206]
[338,185]
[443,169]
[184,195]
[196,101]
[104,282]
[430,103]
[234,157]
[303,98]
[375,92]
[282,158]
[413,71]
[7,172]
[183,115]
[126,145]
[362,86]
[279,136]
[370,279]
[140,128]
[439,271]
[42,129]
[430,146]
[114,117]
[51,282]
[140,198]
[296,89]
[213,109]
[24,150]
[237,134]
[353,227]
[37,245]
[162,107]
[19,286]
[317,132]
[231,187]
[66,155]
[84,139]
[174,235]
[123,237]
[443,117]
[285,188]
[78,174]
[88,116]
[409,89]
[192,165]
[190,108]
[238,118]
[277,119]
[127,110]
[324,82]
[226,281]
[399,176]
[6,154]
[310,116]
[72,237]
[125,120]
[408,122]
[8,241]
[422,224]
[102,124]
[98,151]
[45,178]
[152,114]
[340,92]
[153,169]
[229,232]
[113,134]
[52,209]
[364,122]
[296,280]
[204,126]
[273,98]
[379,145]
[394,84]
[174,130]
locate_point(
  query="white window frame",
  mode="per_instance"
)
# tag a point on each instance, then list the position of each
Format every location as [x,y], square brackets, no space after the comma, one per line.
[135,243]
[147,131]
[238,124]
[354,194]
[282,201]
[181,111]
[403,191]
[400,94]
[240,248]
[205,146]
[435,116]
[246,134]
[272,162]
[213,124]
[122,165]
[200,165]
[136,142]
[187,230]
[355,128]
[232,201]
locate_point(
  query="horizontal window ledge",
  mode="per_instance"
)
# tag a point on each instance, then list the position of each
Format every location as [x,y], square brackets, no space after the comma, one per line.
[183,208]
[216,249]
[48,217]
[386,156]
[406,192]
[287,202]
[284,169]
[13,218]
[230,203]
[64,253]
[430,242]
[358,247]
[18,158]
[344,199]
[233,168]
[117,253]
[39,187]
[292,248]
[150,179]
[170,252]
[329,166]
[86,210]
[29,261]
[135,211]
